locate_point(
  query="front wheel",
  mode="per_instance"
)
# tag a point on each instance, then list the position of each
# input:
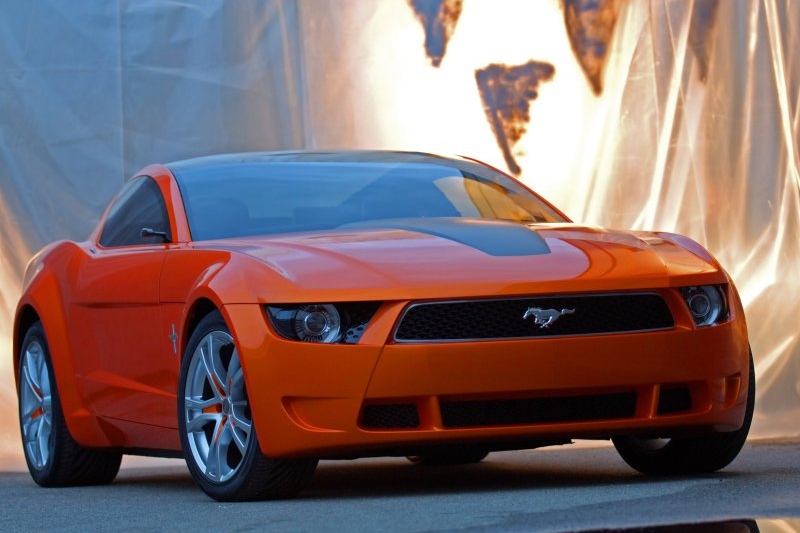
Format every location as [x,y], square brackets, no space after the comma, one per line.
[53,457]
[688,455]
[216,424]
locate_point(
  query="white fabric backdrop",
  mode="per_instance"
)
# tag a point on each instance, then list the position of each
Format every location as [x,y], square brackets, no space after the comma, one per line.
[695,129]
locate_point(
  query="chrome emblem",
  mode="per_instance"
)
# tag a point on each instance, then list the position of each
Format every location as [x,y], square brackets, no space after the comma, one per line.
[173,336]
[544,317]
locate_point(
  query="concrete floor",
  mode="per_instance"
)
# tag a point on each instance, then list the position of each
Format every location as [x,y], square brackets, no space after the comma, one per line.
[570,488]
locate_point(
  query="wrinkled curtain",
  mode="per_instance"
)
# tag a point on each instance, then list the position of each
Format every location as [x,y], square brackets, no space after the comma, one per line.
[676,115]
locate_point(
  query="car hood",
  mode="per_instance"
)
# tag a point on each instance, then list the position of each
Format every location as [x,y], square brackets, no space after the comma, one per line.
[440,258]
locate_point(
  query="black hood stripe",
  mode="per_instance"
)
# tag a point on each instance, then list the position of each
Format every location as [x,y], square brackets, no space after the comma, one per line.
[493,237]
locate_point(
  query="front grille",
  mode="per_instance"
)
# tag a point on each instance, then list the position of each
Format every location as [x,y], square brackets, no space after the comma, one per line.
[538,410]
[505,319]
[390,416]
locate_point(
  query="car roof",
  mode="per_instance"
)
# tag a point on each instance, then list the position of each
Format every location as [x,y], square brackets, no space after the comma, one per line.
[309,156]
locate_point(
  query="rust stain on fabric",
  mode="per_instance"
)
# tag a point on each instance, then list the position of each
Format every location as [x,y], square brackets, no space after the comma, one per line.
[590,27]
[439,19]
[506,93]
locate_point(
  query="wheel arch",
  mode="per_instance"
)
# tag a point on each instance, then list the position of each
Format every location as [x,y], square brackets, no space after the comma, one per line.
[43,302]
[26,317]
[199,309]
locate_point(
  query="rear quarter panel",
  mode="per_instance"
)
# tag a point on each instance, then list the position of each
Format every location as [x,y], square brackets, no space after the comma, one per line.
[47,279]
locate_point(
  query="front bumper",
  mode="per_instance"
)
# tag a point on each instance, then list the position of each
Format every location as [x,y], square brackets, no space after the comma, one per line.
[317,400]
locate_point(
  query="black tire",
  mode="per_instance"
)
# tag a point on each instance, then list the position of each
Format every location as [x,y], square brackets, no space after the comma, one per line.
[464,455]
[688,455]
[53,457]
[215,424]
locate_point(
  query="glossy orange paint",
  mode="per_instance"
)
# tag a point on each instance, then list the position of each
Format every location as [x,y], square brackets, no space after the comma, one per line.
[322,392]
[118,321]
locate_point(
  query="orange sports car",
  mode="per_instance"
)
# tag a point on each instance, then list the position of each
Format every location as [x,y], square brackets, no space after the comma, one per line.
[255,313]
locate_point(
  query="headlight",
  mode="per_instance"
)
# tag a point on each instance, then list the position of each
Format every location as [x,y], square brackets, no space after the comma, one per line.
[317,323]
[706,303]
[323,323]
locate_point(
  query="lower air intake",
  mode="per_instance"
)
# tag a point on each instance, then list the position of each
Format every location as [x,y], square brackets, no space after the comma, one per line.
[390,416]
[676,400]
[538,410]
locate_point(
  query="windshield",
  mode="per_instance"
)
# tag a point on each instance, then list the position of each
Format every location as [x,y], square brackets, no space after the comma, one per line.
[259,198]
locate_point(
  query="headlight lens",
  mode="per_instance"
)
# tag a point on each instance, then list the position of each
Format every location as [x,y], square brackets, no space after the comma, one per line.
[324,322]
[706,303]
[317,323]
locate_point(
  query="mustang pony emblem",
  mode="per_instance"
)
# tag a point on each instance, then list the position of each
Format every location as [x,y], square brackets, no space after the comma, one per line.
[545,317]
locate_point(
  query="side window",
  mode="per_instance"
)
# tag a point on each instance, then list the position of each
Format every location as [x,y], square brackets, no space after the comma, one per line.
[139,205]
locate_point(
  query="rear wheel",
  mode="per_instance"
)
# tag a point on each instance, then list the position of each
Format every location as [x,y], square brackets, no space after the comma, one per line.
[216,424]
[54,458]
[688,455]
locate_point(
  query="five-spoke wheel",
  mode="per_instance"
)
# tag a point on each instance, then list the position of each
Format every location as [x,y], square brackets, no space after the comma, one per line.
[217,415]
[216,424]
[35,405]
[53,457]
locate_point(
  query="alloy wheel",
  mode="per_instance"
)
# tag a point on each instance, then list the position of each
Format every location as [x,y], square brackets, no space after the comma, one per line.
[216,408]
[35,406]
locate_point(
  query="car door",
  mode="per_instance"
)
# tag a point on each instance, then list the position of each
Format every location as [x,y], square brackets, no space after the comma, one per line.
[126,367]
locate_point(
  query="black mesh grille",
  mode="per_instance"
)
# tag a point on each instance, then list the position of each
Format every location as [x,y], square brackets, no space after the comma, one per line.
[358,316]
[392,416]
[504,319]
[538,410]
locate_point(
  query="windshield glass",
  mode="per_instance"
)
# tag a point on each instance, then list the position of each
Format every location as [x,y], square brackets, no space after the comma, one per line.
[259,198]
